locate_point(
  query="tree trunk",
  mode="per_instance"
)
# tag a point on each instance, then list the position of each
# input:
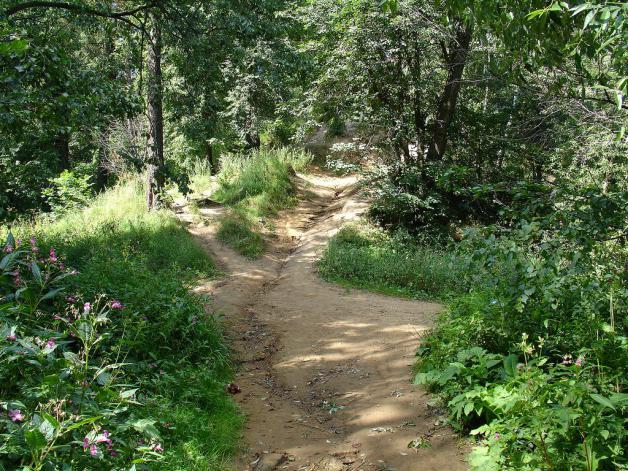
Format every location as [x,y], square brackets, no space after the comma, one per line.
[154,167]
[456,58]
[62,146]
[102,172]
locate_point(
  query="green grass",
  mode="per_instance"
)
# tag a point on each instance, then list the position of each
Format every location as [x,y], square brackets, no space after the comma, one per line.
[255,187]
[362,256]
[149,261]
[238,234]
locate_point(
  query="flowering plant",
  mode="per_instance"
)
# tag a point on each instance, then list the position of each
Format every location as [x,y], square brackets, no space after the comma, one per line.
[66,396]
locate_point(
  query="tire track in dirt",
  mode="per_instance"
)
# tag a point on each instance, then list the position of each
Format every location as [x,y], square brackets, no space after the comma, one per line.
[324,371]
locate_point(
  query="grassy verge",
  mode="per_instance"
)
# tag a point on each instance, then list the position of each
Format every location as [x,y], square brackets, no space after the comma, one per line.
[174,352]
[362,256]
[255,187]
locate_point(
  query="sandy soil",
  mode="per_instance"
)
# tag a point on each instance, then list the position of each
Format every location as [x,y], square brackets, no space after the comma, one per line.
[324,371]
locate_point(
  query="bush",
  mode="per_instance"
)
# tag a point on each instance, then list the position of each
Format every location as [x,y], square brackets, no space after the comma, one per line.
[547,316]
[68,191]
[161,340]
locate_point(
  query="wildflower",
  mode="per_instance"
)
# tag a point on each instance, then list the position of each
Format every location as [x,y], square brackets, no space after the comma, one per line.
[567,360]
[61,266]
[157,448]
[33,241]
[16,415]
[18,243]
[51,343]
[87,307]
[8,248]
[103,438]
[11,337]
[70,299]
[85,443]
[53,256]
[497,436]
[93,449]
[115,304]
[579,361]
[84,383]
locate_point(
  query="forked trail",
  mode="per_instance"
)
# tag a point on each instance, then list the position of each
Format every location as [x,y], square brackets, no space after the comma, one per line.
[325,371]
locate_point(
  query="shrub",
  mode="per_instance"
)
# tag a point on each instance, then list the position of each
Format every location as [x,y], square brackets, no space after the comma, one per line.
[549,299]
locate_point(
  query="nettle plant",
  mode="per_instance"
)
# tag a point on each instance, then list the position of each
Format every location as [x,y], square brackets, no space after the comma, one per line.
[65,401]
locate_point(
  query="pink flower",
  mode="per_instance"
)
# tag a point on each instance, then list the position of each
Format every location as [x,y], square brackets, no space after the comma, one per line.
[33,241]
[87,307]
[16,415]
[103,438]
[497,436]
[53,256]
[115,304]
[11,337]
[157,448]
[93,449]
[18,243]
[579,361]
[8,248]
[85,443]
[70,299]
[51,343]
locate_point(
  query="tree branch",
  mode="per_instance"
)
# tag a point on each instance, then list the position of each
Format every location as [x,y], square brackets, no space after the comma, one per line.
[119,15]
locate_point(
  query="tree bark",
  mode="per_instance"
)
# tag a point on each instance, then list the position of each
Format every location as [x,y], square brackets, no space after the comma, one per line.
[155,164]
[456,57]
[62,146]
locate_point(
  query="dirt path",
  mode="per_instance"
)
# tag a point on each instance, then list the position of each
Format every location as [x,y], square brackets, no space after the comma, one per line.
[325,371]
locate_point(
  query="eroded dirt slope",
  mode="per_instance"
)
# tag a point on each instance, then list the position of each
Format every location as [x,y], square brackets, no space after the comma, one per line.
[325,371]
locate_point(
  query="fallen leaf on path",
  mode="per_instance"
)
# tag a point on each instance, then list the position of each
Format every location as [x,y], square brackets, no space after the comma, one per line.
[233,388]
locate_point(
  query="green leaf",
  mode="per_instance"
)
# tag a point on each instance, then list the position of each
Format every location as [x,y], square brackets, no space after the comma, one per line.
[35,440]
[588,19]
[37,273]
[603,401]
[128,393]
[90,420]
[147,427]
[510,365]
[54,422]
[51,294]
[468,408]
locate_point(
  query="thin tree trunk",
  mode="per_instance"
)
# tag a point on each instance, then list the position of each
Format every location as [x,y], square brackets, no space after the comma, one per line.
[62,146]
[456,58]
[154,168]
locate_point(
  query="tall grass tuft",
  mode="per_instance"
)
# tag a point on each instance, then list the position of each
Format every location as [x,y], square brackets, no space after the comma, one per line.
[256,186]
[363,256]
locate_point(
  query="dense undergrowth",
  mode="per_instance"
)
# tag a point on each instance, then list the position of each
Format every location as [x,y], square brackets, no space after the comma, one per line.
[117,364]
[530,355]
[255,187]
